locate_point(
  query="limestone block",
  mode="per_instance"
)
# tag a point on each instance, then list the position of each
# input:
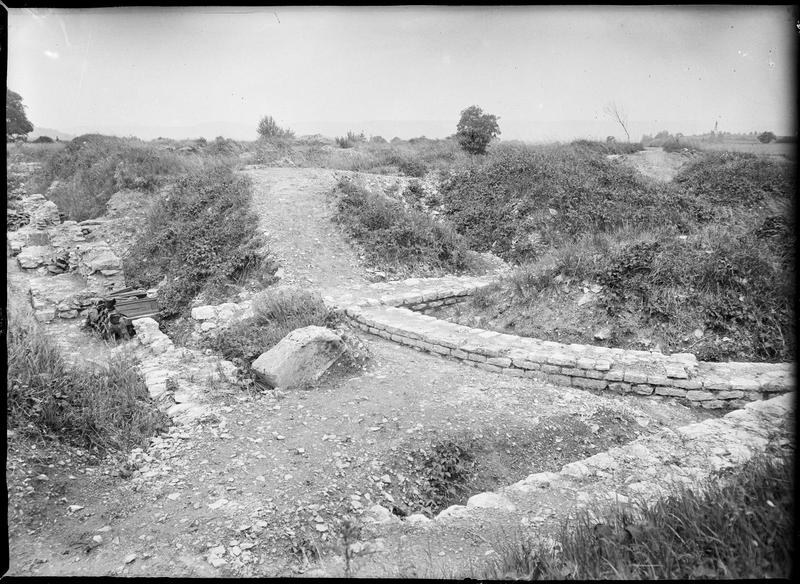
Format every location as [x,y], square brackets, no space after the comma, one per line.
[300,357]
[379,514]
[204,312]
[34,256]
[491,501]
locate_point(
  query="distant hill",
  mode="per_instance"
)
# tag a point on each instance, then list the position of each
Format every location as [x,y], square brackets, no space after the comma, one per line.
[63,136]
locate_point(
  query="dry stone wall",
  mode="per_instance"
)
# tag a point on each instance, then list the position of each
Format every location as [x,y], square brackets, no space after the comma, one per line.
[646,373]
[396,311]
[642,471]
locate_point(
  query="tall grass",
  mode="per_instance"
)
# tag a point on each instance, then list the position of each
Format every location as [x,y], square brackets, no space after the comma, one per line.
[741,527]
[277,312]
[107,407]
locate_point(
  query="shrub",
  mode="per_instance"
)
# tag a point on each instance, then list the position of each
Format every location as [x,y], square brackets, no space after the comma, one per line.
[413,167]
[673,145]
[350,140]
[395,237]
[105,407]
[43,140]
[557,192]
[202,233]
[610,146]
[737,179]
[767,137]
[269,129]
[278,311]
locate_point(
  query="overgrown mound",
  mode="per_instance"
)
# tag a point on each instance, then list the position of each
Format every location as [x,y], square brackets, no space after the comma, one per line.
[737,179]
[704,265]
[201,234]
[108,408]
[398,239]
[92,167]
[526,199]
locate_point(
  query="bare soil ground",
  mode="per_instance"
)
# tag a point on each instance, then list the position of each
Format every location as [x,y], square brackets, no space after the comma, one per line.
[657,164]
[258,488]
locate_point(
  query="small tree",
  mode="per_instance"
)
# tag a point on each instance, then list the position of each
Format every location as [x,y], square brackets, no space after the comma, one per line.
[269,129]
[766,137]
[476,129]
[618,114]
[17,123]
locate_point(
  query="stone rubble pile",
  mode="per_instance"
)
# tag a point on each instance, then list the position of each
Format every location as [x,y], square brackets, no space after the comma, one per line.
[64,259]
[179,379]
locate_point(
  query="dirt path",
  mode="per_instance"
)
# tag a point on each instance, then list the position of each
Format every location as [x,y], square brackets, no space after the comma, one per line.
[655,163]
[295,214]
[272,473]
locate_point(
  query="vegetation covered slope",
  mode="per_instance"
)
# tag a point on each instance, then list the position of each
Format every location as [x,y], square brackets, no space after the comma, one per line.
[713,251]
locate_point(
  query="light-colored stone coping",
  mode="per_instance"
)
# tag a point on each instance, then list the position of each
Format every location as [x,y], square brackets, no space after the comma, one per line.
[681,375]
[392,310]
[416,293]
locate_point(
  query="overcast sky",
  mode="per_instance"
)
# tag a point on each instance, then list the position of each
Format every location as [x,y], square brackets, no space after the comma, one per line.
[547,72]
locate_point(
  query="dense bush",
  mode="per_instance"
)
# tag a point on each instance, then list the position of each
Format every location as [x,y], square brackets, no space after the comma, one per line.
[413,167]
[737,179]
[552,194]
[202,233]
[104,407]
[726,283]
[277,312]
[714,251]
[92,167]
[269,129]
[610,147]
[397,238]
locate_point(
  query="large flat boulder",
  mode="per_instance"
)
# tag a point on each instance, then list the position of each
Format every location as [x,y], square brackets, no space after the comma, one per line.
[300,357]
[34,256]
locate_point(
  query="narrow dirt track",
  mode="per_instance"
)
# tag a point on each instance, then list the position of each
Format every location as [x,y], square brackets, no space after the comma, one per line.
[657,164]
[293,206]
